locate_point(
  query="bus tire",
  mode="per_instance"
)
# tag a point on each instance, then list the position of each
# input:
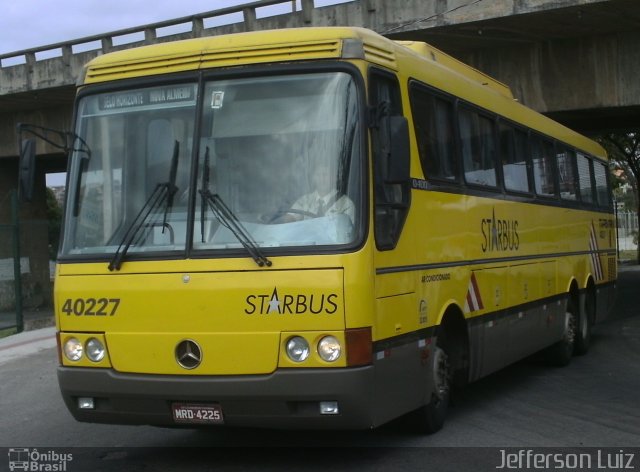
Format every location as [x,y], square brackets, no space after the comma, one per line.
[560,353]
[430,418]
[585,323]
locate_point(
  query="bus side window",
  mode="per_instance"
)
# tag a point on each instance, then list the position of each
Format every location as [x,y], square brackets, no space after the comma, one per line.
[513,154]
[433,122]
[543,159]
[567,173]
[477,139]
[587,194]
[602,188]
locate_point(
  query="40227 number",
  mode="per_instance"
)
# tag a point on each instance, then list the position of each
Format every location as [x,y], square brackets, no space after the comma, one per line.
[91,306]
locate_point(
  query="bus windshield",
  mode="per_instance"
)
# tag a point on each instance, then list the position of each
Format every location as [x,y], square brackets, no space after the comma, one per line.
[273,163]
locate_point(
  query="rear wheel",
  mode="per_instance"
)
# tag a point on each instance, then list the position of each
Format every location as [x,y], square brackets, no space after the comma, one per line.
[560,353]
[585,322]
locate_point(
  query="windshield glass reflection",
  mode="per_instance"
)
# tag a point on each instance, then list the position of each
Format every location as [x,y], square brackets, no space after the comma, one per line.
[280,153]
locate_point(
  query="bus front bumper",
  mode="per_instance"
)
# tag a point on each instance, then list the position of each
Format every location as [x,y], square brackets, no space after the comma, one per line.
[287,398]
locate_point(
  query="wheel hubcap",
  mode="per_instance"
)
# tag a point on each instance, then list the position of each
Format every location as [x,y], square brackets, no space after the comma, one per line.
[570,328]
[441,373]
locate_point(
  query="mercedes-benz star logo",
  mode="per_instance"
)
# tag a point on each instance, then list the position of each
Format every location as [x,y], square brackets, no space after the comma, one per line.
[188,354]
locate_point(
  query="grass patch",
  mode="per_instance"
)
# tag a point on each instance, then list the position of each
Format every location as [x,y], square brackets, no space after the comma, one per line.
[628,255]
[7,332]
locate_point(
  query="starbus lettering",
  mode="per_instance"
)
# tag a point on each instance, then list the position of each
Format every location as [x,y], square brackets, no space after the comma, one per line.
[290,304]
[499,235]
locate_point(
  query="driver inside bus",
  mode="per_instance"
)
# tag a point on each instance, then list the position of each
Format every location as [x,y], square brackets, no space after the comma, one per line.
[323,200]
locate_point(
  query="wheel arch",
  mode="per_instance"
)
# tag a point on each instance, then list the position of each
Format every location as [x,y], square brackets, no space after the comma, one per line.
[573,291]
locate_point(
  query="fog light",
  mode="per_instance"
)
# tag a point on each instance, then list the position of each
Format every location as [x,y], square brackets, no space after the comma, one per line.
[86,403]
[73,349]
[95,350]
[297,349]
[329,348]
[329,408]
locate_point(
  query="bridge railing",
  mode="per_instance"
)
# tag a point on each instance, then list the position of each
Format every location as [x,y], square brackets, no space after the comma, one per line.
[201,24]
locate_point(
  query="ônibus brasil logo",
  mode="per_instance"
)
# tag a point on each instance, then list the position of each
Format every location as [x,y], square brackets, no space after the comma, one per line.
[23,458]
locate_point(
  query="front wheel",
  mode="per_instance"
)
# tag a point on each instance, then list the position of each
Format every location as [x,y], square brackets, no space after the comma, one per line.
[430,418]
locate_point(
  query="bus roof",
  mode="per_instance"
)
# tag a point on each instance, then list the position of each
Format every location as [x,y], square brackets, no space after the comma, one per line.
[287,45]
[255,47]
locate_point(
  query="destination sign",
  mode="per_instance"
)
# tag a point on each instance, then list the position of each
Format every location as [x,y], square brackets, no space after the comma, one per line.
[154,96]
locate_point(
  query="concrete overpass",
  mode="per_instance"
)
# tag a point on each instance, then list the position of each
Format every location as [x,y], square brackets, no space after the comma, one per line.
[575,60]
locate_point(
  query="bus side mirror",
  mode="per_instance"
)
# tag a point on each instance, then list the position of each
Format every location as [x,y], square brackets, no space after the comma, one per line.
[26,170]
[398,170]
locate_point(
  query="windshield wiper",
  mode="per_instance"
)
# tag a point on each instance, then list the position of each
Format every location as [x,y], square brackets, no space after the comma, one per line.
[231,221]
[205,185]
[172,183]
[164,191]
[226,217]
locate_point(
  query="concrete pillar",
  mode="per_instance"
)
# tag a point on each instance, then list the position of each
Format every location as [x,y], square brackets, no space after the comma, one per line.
[149,35]
[67,54]
[307,11]
[197,27]
[249,18]
[107,44]
[30,57]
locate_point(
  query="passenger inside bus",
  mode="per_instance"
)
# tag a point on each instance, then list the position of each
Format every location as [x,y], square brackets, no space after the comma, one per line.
[325,199]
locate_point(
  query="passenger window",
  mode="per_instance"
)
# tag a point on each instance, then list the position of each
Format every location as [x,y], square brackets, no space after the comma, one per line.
[584,179]
[543,160]
[513,152]
[477,141]
[567,174]
[433,121]
[600,173]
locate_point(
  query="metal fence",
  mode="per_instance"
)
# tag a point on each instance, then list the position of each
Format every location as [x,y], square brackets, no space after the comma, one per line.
[11,269]
[627,231]
[25,277]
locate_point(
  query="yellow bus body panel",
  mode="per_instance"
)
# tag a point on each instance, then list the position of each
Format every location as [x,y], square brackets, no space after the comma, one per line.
[237,317]
[536,253]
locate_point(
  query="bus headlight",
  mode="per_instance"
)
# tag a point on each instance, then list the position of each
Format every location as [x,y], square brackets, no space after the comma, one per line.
[297,349]
[73,349]
[95,350]
[329,348]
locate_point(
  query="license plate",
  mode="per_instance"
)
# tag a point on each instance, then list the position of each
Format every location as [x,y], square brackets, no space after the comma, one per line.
[197,414]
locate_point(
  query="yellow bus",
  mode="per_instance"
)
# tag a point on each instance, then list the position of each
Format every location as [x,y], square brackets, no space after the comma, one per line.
[316,228]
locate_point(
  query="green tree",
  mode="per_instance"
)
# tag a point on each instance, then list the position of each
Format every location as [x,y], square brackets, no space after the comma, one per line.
[54,218]
[624,150]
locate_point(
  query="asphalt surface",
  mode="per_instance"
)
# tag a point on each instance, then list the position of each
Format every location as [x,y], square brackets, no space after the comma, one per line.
[591,405]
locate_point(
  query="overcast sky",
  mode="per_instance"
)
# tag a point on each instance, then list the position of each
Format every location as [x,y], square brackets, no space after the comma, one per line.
[30,23]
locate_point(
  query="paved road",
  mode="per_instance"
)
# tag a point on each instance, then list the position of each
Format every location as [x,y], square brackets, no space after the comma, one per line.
[594,403]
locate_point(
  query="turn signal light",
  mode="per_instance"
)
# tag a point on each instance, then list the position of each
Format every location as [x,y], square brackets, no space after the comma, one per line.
[359,346]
